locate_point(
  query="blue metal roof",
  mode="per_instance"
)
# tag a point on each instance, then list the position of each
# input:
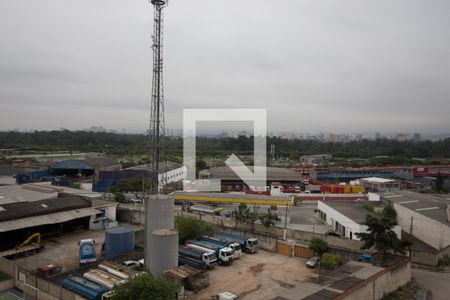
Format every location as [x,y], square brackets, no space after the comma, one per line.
[73,164]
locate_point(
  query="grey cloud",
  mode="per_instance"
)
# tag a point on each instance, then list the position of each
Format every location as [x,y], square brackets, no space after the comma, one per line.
[346,65]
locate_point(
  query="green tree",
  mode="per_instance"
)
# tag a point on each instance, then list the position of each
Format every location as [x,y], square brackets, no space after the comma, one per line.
[146,287]
[381,234]
[239,215]
[134,185]
[318,245]
[251,217]
[267,219]
[201,165]
[119,197]
[330,261]
[192,228]
[389,213]
[439,183]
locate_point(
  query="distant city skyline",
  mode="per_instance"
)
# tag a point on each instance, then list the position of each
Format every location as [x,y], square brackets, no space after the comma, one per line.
[317,66]
[324,136]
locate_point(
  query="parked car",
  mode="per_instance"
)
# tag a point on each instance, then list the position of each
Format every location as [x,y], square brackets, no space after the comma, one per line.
[313,262]
[141,263]
[49,270]
[130,263]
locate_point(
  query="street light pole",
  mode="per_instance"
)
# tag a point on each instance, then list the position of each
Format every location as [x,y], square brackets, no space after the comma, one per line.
[285,221]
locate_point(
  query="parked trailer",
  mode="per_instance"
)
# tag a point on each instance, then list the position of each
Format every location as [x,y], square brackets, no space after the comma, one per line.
[250,245]
[198,264]
[103,278]
[84,287]
[236,247]
[224,254]
[208,257]
[206,209]
[117,270]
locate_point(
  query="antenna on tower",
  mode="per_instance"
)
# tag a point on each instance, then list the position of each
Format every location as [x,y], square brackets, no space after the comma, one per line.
[157,125]
[161,240]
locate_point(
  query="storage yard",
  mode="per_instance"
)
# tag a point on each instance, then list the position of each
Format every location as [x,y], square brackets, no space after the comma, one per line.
[63,250]
[263,275]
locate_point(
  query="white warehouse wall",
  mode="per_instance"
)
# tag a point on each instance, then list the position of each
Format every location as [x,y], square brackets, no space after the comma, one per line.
[333,215]
[174,175]
[350,225]
[425,229]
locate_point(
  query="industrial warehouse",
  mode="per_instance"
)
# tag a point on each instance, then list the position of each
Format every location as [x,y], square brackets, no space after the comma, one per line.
[258,175]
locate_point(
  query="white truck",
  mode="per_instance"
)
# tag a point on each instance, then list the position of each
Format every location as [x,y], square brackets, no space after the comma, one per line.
[224,255]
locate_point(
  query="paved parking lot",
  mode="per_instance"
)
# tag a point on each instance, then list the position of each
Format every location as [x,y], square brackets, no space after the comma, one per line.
[264,275]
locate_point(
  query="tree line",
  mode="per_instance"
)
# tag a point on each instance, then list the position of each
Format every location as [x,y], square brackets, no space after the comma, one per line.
[137,144]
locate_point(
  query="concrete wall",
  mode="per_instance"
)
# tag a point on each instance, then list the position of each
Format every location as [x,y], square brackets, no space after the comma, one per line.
[47,290]
[6,285]
[425,229]
[302,237]
[7,267]
[380,284]
[265,242]
[424,258]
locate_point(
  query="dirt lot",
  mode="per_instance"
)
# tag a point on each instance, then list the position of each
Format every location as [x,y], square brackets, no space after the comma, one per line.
[264,275]
[63,250]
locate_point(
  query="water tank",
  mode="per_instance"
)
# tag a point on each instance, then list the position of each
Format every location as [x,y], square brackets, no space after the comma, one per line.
[118,241]
[160,212]
[164,248]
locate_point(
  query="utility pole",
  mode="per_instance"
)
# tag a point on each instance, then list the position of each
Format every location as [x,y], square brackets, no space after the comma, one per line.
[285,221]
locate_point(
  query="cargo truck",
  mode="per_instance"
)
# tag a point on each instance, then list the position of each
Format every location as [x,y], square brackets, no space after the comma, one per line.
[87,252]
[198,264]
[84,287]
[224,255]
[250,245]
[236,247]
[208,257]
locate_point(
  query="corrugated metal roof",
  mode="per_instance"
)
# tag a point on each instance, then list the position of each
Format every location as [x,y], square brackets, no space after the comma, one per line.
[37,191]
[101,161]
[47,206]
[73,165]
[55,218]
[272,174]
[19,193]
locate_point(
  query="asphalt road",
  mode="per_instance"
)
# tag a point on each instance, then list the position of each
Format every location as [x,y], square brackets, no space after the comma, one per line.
[437,283]
[299,217]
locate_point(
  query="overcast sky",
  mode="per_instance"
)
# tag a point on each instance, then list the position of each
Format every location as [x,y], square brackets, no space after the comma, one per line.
[316,65]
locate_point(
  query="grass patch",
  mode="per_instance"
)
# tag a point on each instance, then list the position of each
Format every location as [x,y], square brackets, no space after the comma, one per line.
[8,296]
[405,292]
[3,277]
